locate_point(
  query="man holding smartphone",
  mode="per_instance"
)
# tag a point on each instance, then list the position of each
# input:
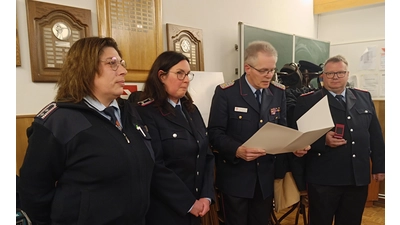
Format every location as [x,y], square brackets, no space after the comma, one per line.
[337,168]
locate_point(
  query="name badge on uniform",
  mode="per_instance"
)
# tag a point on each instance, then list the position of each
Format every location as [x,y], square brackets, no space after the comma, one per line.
[240,109]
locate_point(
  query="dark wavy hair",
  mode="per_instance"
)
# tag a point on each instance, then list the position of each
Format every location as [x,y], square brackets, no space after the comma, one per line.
[154,88]
[80,67]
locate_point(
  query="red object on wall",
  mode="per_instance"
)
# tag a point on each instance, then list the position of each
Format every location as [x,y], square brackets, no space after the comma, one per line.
[128,89]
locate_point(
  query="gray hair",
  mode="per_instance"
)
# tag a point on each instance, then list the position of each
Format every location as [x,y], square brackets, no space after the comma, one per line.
[335,59]
[252,50]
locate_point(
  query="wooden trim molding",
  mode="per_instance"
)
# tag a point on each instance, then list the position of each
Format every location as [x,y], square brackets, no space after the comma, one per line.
[324,6]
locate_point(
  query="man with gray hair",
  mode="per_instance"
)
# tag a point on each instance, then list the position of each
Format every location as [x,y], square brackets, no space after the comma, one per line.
[245,175]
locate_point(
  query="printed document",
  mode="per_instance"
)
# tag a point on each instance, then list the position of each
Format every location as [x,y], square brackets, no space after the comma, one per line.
[275,138]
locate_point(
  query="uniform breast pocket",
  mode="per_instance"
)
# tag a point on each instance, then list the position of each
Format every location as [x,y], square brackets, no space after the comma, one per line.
[173,142]
[365,116]
[239,122]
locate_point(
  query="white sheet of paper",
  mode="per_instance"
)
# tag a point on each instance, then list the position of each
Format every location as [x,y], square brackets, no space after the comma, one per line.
[202,89]
[275,138]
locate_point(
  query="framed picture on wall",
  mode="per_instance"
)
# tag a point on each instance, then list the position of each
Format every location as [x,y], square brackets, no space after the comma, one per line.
[52,30]
[188,41]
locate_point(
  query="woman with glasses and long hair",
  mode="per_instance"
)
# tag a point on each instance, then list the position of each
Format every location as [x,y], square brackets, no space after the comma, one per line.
[182,185]
[89,159]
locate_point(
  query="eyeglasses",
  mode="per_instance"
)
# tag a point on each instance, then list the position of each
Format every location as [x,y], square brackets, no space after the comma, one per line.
[114,63]
[181,75]
[339,74]
[263,71]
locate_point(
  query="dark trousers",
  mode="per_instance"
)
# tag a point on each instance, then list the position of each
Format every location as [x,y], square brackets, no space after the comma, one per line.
[245,211]
[344,204]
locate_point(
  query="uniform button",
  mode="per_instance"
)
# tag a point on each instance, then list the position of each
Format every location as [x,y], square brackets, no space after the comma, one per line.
[261,121]
[366,111]
[349,117]
[198,141]
[198,156]
[353,142]
[319,154]
[276,118]
[224,161]
[197,190]
[240,117]
[197,173]
[354,155]
[258,164]
[174,135]
[351,130]
[206,133]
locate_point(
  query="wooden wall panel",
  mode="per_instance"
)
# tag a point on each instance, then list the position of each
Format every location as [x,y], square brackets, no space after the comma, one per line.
[22,123]
[324,6]
[375,187]
[137,28]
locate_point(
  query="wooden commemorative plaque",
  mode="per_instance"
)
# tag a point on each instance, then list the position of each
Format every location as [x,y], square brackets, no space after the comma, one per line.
[52,30]
[136,27]
[188,41]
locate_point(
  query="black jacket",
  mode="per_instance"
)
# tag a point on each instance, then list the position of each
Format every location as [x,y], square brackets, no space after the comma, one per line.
[81,169]
[234,117]
[184,169]
[348,164]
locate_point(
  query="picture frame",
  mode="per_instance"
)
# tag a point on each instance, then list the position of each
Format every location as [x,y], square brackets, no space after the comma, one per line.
[188,41]
[52,30]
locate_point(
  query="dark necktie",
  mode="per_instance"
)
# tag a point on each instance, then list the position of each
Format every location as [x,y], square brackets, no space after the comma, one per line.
[258,96]
[110,111]
[179,111]
[340,99]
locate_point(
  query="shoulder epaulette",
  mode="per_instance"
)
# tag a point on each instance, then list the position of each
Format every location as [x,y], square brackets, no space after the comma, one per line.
[145,102]
[227,84]
[47,110]
[360,89]
[307,93]
[278,85]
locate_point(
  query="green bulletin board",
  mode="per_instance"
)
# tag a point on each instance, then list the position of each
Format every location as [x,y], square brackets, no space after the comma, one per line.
[291,48]
[283,43]
[311,50]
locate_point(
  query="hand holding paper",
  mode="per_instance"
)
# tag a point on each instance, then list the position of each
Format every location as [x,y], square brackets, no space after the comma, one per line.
[249,154]
[275,138]
[302,152]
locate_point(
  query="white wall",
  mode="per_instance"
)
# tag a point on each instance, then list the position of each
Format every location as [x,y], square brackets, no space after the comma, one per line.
[358,24]
[351,33]
[217,18]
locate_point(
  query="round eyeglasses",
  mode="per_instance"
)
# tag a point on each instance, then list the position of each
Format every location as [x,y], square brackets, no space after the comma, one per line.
[339,74]
[114,63]
[263,71]
[181,75]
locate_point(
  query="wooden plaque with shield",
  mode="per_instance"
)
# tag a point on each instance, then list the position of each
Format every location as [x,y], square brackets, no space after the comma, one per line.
[52,30]
[188,41]
[137,29]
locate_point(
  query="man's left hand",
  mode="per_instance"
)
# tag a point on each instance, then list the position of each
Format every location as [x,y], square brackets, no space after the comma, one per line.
[302,152]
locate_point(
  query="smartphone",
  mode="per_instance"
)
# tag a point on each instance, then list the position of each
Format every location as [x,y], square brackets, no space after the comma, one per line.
[339,131]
